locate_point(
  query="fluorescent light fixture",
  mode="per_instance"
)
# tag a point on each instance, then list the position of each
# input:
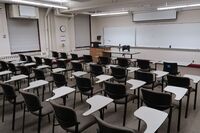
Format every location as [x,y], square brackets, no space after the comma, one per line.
[178,6]
[33,3]
[109,13]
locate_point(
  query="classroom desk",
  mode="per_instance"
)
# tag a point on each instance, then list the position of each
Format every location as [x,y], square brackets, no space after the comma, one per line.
[195,80]
[58,70]
[121,52]
[136,84]
[152,117]
[6,72]
[179,94]
[29,64]
[180,63]
[97,102]
[43,67]
[79,73]
[18,62]
[132,69]
[60,92]
[102,78]
[37,84]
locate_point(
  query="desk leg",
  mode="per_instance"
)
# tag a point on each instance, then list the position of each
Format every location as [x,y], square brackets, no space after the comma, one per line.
[179,115]
[43,93]
[101,114]
[195,97]
[138,98]
[162,83]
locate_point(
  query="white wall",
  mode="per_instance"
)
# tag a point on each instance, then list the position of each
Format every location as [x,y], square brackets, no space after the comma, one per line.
[98,23]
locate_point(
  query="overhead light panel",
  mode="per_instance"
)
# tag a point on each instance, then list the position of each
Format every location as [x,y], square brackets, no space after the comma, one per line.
[39,4]
[109,13]
[178,6]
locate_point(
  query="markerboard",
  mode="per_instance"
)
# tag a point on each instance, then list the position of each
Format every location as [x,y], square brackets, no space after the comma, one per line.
[119,35]
[183,36]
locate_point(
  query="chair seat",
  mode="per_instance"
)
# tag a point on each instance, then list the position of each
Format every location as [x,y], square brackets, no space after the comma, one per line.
[122,100]
[85,122]
[47,109]
[95,91]
[19,100]
[120,79]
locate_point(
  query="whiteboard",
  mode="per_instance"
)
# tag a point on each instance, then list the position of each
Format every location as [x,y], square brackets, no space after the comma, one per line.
[119,35]
[186,36]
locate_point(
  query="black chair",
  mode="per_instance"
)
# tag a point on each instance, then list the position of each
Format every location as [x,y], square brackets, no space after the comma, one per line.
[10,95]
[13,68]
[147,77]
[38,61]
[48,62]
[87,58]
[172,68]
[123,62]
[63,55]
[160,101]
[120,96]
[4,66]
[181,82]
[26,71]
[105,127]
[29,59]
[95,70]
[69,120]
[74,57]
[144,65]
[55,54]
[77,66]
[35,107]
[61,64]
[22,57]
[119,74]
[104,60]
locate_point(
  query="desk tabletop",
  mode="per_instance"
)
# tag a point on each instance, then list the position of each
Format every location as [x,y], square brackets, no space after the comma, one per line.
[103,78]
[16,78]
[29,64]
[121,52]
[135,83]
[152,117]
[5,72]
[97,102]
[178,91]
[79,73]
[18,62]
[61,91]
[194,78]
[160,74]
[57,70]
[109,66]
[36,84]
[132,69]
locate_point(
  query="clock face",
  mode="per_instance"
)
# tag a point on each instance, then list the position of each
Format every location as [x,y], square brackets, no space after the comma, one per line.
[62,28]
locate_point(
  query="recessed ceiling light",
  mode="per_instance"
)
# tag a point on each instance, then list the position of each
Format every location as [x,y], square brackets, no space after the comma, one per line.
[178,6]
[109,13]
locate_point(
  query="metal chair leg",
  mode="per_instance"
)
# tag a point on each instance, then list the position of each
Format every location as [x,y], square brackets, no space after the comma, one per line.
[23,118]
[13,119]
[3,109]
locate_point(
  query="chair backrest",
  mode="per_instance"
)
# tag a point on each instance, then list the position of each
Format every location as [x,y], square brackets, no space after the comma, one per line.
[38,61]
[77,66]
[74,56]
[96,69]
[118,72]
[8,92]
[178,81]
[172,68]
[4,65]
[115,91]
[29,59]
[12,67]
[126,47]
[123,62]
[145,76]
[55,54]
[59,79]
[61,64]
[65,116]
[156,100]
[63,55]
[104,60]
[39,74]
[32,101]
[83,84]
[87,58]
[22,57]
[105,127]
[143,64]
[48,62]
[24,70]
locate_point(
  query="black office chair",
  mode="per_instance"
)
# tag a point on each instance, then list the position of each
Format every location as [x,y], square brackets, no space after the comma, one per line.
[147,77]
[123,62]
[120,96]
[77,66]
[13,68]
[26,71]
[38,61]
[22,57]
[144,65]
[74,57]
[35,107]
[10,95]
[181,82]
[95,70]
[119,74]
[48,62]
[69,120]
[4,66]
[104,60]
[87,58]
[105,127]
[55,54]
[29,59]
[160,101]
[172,68]
[63,55]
